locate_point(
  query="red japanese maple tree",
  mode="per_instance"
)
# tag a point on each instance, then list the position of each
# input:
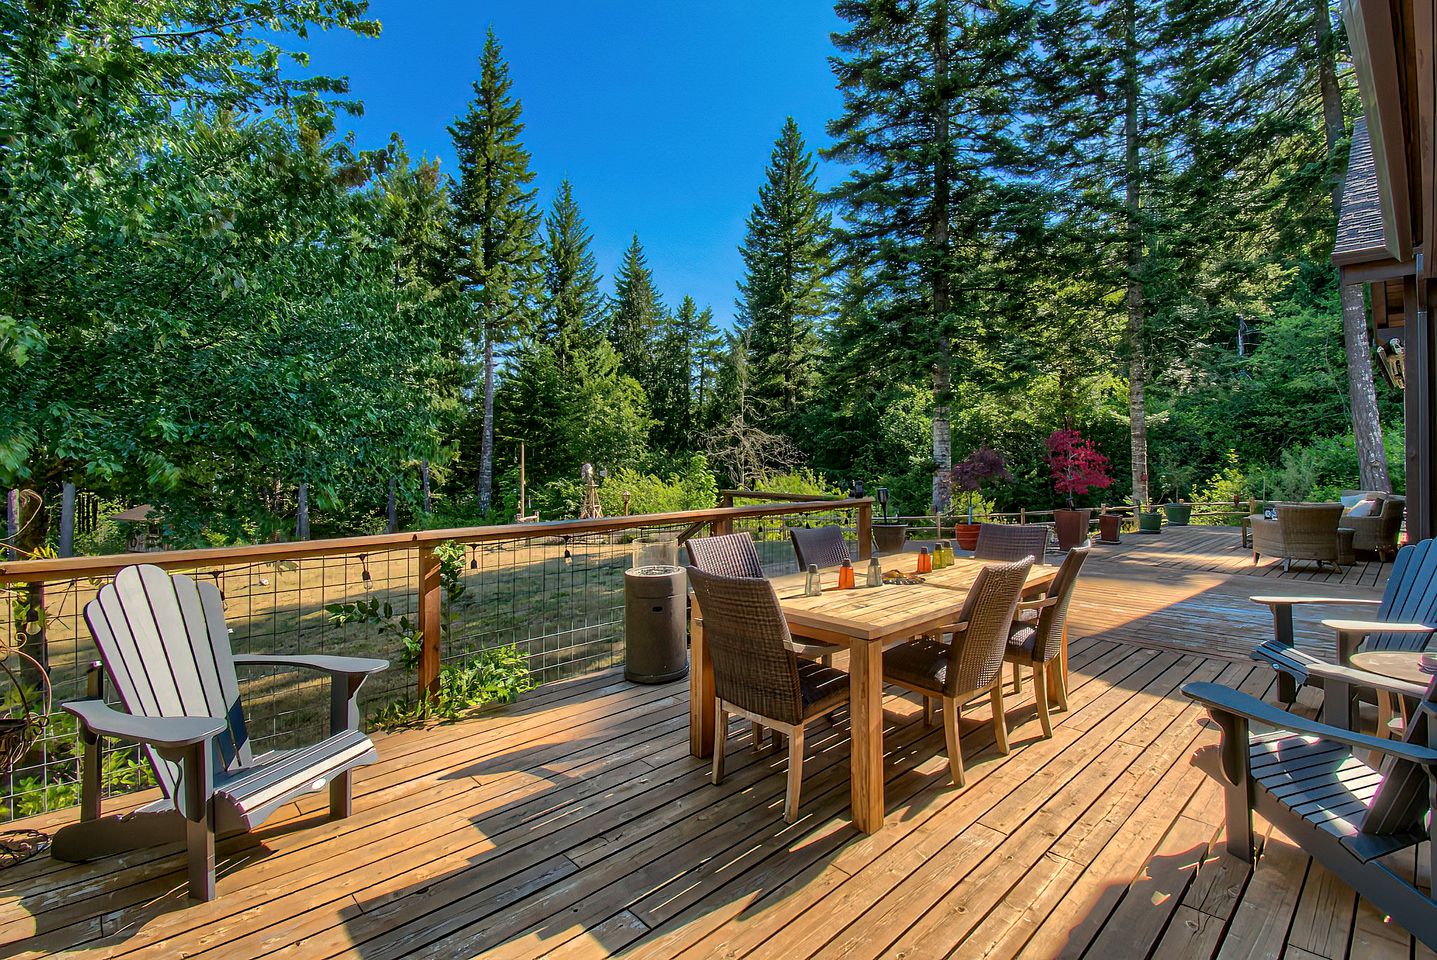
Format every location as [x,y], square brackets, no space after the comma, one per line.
[1076,464]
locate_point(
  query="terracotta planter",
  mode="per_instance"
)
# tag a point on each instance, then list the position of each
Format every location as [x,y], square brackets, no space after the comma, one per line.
[966,534]
[1150,521]
[890,537]
[1072,527]
[1110,527]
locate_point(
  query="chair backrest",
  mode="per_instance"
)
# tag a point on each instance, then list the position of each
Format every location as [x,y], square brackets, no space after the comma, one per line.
[728,555]
[1403,798]
[976,655]
[748,638]
[1051,620]
[1007,542]
[821,546]
[166,649]
[1410,597]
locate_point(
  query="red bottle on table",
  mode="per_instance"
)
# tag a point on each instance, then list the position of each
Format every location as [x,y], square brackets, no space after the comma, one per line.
[925,560]
[845,576]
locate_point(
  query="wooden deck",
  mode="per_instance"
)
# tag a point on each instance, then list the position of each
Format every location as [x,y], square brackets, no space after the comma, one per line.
[575,824]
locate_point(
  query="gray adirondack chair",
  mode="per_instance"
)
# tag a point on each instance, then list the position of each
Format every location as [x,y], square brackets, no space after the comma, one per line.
[165,646]
[1404,620]
[1306,779]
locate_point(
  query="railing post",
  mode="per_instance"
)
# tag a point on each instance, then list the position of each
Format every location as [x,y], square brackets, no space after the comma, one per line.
[722,527]
[1022,514]
[865,530]
[431,592]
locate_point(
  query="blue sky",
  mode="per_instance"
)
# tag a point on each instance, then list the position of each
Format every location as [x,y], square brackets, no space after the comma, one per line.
[661,113]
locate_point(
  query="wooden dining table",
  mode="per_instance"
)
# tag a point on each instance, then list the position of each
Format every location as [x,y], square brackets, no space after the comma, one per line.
[863,620]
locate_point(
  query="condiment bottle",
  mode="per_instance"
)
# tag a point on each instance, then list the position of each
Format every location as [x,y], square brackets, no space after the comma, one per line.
[875,573]
[812,584]
[845,576]
[925,561]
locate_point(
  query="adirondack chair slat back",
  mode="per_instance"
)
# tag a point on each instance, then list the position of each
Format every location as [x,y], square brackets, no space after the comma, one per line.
[1402,800]
[166,649]
[1411,597]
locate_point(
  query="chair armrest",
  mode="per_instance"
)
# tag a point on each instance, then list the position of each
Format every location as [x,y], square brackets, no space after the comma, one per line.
[1026,605]
[1227,700]
[1364,627]
[1337,601]
[334,666]
[1365,678]
[101,719]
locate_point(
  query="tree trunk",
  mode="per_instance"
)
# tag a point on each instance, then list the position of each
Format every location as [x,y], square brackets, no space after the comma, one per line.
[486,443]
[301,516]
[67,520]
[12,521]
[424,486]
[1366,427]
[32,528]
[1366,421]
[1137,365]
[938,243]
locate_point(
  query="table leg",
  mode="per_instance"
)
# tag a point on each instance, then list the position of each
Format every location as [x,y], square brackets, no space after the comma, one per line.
[865,672]
[701,690]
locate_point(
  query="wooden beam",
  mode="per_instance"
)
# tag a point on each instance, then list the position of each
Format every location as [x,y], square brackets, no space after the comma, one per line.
[1372,33]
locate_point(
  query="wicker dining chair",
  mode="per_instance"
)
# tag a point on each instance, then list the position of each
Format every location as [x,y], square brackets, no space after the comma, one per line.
[757,675]
[734,555]
[1036,639]
[818,546]
[972,663]
[1008,542]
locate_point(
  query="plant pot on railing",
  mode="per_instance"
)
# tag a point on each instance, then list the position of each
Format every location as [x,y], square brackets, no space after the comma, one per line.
[1150,521]
[1179,514]
[1110,526]
[966,534]
[890,537]
[1072,526]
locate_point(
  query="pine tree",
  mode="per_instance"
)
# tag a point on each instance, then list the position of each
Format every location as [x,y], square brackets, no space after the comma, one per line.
[573,303]
[672,392]
[706,346]
[498,222]
[783,295]
[634,315]
[934,95]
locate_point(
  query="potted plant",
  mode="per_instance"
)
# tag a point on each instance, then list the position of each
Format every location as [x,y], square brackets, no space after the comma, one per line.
[1179,512]
[1110,526]
[1149,521]
[983,465]
[889,537]
[1077,467]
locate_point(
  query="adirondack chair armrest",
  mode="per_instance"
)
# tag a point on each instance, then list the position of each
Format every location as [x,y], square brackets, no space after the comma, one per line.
[1311,601]
[167,733]
[1235,703]
[334,666]
[1351,633]
[346,676]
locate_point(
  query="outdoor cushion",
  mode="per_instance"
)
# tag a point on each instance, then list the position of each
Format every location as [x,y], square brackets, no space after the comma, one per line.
[1364,508]
[922,663]
[1350,500]
[1022,640]
[820,686]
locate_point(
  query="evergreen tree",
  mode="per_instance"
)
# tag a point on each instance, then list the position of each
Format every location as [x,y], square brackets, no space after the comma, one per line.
[572,301]
[783,295]
[672,392]
[498,221]
[934,98]
[634,315]
[706,350]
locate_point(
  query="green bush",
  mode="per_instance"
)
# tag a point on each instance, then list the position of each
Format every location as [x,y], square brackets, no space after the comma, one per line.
[689,486]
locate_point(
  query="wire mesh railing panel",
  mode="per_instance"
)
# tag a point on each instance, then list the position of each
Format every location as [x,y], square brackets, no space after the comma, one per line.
[557,598]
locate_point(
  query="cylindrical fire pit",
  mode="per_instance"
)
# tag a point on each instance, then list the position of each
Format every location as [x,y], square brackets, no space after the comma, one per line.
[655,608]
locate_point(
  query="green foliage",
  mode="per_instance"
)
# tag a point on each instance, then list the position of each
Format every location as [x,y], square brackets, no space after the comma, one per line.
[497,675]
[688,486]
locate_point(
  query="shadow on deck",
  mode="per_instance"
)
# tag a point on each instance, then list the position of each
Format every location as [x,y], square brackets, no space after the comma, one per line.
[575,824]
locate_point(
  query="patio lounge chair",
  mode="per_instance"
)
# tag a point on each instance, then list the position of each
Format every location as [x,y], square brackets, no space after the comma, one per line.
[1303,531]
[1008,542]
[1307,780]
[969,665]
[1404,620]
[757,675]
[165,646]
[1377,533]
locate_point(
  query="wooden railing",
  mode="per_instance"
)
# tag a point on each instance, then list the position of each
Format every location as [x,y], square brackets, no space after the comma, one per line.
[32,575]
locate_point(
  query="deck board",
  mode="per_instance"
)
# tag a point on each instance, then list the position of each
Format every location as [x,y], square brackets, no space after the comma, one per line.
[575,824]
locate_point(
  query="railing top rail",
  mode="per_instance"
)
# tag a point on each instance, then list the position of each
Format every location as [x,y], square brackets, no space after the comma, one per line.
[35,571]
[783,497]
